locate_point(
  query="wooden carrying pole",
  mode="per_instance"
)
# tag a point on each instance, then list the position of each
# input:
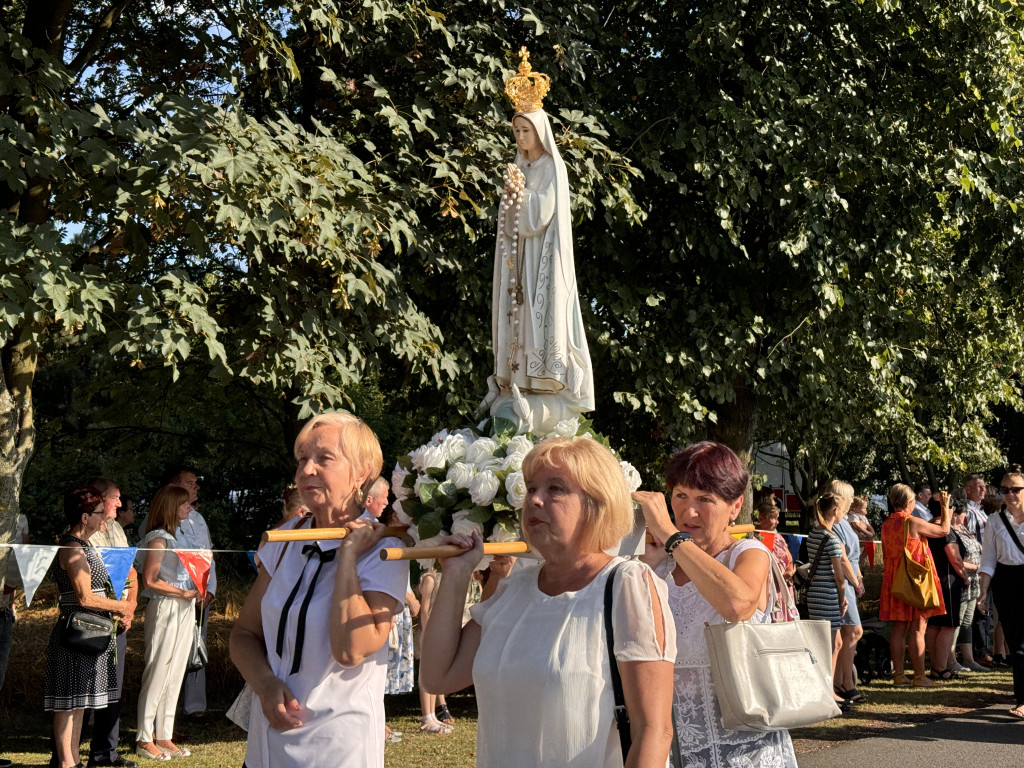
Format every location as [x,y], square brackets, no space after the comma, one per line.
[450,550]
[322,534]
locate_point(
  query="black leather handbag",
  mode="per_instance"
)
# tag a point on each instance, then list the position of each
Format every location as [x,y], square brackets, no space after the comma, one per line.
[86,632]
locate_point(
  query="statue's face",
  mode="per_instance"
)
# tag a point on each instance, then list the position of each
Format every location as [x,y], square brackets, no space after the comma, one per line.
[526,137]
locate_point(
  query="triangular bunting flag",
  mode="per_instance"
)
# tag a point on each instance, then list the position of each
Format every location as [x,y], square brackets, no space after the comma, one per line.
[869,550]
[793,540]
[768,537]
[118,562]
[252,559]
[33,562]
[197,563]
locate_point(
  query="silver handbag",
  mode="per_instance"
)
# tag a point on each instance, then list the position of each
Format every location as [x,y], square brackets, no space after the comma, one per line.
[771,677]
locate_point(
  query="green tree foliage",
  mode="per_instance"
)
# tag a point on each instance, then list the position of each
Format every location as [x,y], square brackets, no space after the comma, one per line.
[831,192]
[289,194]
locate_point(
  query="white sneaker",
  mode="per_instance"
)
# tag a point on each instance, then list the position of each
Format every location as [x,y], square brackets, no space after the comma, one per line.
[961,668]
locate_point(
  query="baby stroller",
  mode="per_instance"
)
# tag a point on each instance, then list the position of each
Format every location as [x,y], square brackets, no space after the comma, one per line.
[873,659]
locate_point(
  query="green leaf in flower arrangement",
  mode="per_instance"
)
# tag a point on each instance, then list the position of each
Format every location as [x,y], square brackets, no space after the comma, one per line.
[412,507]
[430,525]
[479,515]
[445,494]
[500,504]
[466,503]
[437,473]
[508,523]
[503,428]
[406,463]
[427,494]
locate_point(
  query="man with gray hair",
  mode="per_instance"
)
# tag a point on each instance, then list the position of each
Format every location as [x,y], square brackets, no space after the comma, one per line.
[974,490]
[377,498]
[194,533]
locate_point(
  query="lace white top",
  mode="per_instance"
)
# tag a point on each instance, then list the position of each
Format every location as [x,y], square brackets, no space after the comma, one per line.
[702,741]
[541,673]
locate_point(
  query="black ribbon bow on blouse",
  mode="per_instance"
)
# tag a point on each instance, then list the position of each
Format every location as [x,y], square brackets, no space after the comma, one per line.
[300,631]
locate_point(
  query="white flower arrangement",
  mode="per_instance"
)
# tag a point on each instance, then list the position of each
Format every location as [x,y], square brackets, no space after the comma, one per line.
[463,481]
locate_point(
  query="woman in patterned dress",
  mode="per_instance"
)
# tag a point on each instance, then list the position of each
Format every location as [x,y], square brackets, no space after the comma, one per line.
[906,618]
[715,579]
[76,681]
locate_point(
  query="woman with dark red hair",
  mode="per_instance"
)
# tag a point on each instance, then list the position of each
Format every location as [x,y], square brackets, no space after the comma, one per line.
[715,579]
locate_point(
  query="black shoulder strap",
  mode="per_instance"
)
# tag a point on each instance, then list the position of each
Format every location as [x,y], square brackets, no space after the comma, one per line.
[1009,530]
[621,715]
[817,556]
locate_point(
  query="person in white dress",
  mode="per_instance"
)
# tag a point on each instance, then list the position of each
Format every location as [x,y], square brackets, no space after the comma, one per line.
[311,638]
[714,579]
[536,651]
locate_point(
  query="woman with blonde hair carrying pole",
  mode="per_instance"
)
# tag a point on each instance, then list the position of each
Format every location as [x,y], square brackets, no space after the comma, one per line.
[907,618]
[536,651]
[311,638]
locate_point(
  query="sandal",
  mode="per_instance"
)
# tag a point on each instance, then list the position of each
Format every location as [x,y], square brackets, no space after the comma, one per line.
[173,750]
[142,751]
[443,714]
[1017,712]
[900,680]
[923,681]
[430,724]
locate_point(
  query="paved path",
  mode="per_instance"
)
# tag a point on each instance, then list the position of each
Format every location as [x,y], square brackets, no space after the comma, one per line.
[985,737]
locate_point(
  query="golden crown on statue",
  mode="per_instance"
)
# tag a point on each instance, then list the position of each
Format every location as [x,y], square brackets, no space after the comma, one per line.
[527,89]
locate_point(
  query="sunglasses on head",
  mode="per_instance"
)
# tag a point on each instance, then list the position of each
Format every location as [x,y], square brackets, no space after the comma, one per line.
[1011,490]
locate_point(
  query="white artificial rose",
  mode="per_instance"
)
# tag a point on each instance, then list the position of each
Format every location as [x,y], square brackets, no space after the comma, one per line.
[462,526]
[499,534]
[461,474]
[416,485]
[467,434]
[455,447]
[439,437]
[434,458]
[567,427]
[403,518]
[483,488]
[513,462]
[398,482]
[416,457]
[631,475]
[480,450]
[515,486]
[519,444]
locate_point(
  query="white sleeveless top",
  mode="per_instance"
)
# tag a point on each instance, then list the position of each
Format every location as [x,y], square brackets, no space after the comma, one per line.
[541,673]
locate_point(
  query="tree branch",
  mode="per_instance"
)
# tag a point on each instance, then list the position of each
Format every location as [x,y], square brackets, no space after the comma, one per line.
[97,37]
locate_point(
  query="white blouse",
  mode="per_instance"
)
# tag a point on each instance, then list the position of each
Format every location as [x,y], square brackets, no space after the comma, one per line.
[541,673]
[342,707]
[997,546]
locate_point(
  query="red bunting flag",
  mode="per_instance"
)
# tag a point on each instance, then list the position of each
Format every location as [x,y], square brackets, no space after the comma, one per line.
[197,563]
[768,537]
[869,550]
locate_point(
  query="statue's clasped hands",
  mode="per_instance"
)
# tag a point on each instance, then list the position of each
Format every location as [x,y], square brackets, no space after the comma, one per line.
[515,181]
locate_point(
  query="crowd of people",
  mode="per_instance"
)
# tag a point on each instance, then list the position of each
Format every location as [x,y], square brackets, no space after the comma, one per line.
[85,675]
[327,629]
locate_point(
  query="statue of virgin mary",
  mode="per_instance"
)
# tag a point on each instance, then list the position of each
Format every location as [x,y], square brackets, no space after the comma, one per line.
[542,369]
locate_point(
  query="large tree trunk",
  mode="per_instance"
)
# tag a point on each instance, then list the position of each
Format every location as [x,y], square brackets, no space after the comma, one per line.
[736,427]
[17,434]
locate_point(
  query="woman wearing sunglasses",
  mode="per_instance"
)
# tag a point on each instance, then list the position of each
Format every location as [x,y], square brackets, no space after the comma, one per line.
[1002,573]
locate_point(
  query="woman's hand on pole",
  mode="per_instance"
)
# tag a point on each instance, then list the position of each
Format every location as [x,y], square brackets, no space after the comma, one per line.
[655,510]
